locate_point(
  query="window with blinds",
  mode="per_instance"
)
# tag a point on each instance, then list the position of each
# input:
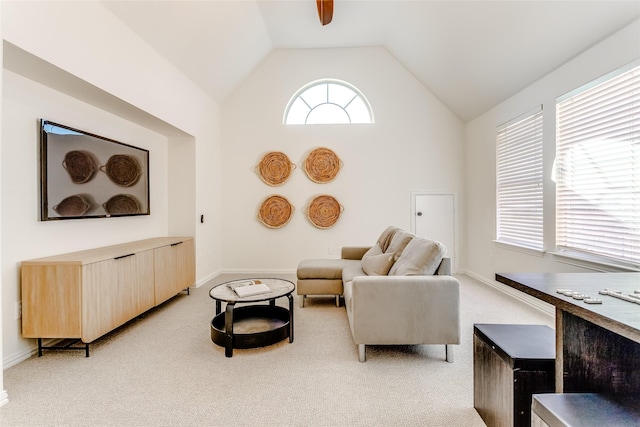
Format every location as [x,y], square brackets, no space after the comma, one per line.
[598,169]
[519,182]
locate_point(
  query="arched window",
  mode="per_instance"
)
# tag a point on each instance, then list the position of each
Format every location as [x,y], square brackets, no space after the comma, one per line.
[328,101]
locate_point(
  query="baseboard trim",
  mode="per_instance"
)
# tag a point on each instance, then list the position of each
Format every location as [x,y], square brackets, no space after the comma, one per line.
[16,358]
[547,309]
[206,279]
[4,398]
[25,354]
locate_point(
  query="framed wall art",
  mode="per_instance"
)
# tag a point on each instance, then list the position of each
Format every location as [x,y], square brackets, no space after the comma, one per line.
[83,175]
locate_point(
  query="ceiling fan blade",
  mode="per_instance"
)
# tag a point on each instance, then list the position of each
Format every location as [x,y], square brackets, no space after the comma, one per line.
[325,10]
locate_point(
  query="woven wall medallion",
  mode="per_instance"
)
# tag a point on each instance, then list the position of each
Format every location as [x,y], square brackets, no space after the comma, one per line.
[76,205]
[80,166]
[122,204]
[122,170]
[322,165]
[275,211]
[324,211]
[275,168]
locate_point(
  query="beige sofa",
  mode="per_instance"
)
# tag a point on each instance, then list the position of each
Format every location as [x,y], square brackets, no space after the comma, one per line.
[399,291]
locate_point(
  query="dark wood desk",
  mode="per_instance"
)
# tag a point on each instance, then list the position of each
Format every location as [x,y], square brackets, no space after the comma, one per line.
[597,345]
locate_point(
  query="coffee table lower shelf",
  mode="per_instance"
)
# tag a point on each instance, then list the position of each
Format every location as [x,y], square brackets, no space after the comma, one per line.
[252,326]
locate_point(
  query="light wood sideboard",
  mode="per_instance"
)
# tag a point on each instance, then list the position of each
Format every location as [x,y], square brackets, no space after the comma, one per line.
[84,295]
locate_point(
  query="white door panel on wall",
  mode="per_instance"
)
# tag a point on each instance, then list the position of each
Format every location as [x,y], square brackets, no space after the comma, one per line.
[433,217]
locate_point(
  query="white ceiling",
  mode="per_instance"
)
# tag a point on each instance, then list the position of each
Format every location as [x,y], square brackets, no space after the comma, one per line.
[470,54]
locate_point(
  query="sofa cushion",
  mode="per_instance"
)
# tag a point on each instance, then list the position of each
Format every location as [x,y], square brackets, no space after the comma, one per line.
[351,271]
[377,265]
[420,256]
[386,236]
[398,242]
[323,268]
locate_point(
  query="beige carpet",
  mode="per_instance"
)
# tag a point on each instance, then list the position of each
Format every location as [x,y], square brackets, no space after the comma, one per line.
[163,370]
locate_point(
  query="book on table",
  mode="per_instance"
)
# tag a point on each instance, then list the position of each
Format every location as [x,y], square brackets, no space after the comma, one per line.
[247,288]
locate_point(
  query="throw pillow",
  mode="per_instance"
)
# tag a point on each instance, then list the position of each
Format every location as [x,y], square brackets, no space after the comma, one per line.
[377,265]
[421,256]
[373,251]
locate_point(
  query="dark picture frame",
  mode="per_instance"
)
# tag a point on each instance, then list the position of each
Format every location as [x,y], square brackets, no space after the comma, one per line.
[83,175]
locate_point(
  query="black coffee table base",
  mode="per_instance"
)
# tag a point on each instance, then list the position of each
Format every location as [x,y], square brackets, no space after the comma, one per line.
[251,326]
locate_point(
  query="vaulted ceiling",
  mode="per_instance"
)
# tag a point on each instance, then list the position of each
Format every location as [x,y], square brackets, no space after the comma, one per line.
[470,54]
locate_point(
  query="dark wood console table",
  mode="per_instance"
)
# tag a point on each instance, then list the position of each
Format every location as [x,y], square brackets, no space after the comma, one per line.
[597,345]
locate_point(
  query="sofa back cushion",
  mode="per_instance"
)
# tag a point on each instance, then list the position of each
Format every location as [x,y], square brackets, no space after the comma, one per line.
[399,241]
[419,257]
[386,236]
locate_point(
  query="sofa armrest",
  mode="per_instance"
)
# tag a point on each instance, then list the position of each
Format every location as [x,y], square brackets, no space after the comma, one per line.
[404,309]
[354,252]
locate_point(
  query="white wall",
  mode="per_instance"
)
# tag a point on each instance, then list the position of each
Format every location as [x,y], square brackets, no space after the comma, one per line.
[414,144]
[483,257]
[135,80]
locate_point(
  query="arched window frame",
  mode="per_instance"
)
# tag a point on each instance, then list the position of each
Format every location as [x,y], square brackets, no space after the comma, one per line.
[314,84]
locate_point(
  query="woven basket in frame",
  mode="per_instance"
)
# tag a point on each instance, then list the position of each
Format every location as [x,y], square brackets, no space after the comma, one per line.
[80,165]
[322,165]
[275,211]
[324,211]
[122,170]
[274,168]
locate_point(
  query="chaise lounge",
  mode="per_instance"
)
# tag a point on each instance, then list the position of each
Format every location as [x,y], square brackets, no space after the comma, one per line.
[397,292]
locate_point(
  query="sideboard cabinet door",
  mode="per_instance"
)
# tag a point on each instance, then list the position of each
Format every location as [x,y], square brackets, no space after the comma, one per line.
[174,269]
[51,300]
[115,291]
[186,265]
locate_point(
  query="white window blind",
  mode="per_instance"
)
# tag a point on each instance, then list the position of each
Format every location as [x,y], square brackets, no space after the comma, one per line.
[519,182]
[598,170]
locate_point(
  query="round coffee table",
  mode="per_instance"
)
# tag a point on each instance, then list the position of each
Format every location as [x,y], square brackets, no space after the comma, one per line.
[253,325]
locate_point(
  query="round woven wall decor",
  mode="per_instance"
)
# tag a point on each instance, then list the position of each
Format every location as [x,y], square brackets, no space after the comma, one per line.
[80,166]
[275,168]
[122,170]
[122,204]
[275,211]
[324,211]
[322,165]
[76,205]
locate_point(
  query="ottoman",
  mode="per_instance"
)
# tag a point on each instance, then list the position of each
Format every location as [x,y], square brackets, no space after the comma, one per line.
[322,277]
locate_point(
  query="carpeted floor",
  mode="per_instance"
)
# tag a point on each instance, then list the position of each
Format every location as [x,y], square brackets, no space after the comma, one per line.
[162,369]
